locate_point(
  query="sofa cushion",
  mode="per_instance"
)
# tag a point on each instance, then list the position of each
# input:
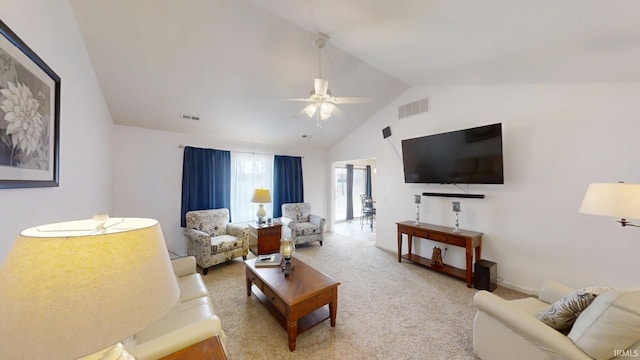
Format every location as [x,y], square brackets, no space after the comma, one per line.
[610,323]
[191,287]
[181,315]
[563,313]
[224,243]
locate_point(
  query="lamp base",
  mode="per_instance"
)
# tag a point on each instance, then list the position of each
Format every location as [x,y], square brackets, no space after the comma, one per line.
[261,214]
[287,268]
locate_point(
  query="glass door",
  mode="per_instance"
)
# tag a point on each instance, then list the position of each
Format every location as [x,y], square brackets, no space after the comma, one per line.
[340,196]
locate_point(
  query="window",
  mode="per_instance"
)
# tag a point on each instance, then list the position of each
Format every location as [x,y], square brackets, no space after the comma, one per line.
[248,172]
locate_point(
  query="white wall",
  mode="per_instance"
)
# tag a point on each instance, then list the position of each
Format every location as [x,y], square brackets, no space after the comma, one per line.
[148,175]
[49,28]
[557,139]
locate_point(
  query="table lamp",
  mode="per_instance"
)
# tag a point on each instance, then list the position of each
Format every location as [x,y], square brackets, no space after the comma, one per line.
[261,197]
[620,200]
[70,289]
[287,248]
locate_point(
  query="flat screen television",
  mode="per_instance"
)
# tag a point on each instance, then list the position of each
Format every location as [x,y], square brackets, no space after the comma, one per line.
[469,156]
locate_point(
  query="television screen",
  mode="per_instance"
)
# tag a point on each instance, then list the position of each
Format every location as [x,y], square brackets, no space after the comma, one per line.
[470,156]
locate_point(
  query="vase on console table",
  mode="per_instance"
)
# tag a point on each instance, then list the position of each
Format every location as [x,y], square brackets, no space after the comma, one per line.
[417,199]
[456,209]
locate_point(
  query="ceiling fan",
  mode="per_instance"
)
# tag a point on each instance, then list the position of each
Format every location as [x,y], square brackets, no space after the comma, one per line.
[321,103]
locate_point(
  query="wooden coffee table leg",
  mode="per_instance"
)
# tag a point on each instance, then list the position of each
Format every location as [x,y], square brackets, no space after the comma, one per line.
[292,331]
[249,282]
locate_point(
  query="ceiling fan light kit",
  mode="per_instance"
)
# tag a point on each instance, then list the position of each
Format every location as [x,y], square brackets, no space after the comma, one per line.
[322,105]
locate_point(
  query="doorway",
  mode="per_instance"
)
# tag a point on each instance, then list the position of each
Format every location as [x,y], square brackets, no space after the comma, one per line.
[340,194]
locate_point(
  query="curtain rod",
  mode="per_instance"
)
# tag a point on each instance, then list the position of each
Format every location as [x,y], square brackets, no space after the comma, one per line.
[244,152]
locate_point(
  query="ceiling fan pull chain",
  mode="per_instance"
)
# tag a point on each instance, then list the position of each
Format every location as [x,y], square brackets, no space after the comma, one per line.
[320,62]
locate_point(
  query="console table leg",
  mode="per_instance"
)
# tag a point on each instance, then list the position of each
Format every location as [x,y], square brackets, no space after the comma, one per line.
[399,246]
[469,254]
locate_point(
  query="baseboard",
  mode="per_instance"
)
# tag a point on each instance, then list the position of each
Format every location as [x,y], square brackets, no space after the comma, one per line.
[521,289]
[506,284]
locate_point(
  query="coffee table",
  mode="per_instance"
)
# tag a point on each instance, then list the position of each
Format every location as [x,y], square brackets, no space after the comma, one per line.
[297,301]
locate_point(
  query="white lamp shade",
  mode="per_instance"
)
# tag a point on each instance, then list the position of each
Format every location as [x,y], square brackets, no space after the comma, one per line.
[326,110]
[619,200]
[310,110]
[261,196]
[67,290]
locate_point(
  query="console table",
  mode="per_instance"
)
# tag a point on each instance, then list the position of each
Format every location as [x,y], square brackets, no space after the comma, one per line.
[470,240]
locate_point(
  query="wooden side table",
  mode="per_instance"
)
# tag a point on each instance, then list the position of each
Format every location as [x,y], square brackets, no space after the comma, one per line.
[210,348]
[265,238]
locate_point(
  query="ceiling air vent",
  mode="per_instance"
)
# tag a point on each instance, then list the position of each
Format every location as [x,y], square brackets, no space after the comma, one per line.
[413,108]
[189,117]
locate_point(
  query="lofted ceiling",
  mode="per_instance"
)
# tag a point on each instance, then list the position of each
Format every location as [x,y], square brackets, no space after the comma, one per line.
[230,62]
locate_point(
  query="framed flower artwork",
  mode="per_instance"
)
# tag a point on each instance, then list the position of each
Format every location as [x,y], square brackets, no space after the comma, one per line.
[29,116]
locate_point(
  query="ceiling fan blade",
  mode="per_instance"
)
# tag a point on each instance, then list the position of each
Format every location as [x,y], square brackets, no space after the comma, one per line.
[351,99]
[320,86]
[339,113]
[300,114]
[296,99]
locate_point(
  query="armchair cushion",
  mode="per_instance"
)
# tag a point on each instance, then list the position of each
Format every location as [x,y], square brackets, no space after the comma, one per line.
[304,228]
[224,243]
[297,211]
[212,222]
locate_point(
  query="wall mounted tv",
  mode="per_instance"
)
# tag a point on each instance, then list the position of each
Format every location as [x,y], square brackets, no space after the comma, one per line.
[470,156]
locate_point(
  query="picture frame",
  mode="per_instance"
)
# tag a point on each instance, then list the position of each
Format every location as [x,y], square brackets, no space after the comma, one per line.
[29,116]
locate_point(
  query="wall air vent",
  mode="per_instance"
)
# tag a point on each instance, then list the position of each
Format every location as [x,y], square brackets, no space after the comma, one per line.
[413,108]
[189,117]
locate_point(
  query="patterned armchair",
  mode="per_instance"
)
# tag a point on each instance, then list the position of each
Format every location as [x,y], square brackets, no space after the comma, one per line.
[300,225]
[212,239]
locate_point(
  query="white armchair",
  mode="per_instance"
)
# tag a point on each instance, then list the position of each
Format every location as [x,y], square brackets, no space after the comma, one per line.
[300,225]
[212,239]
[609,328]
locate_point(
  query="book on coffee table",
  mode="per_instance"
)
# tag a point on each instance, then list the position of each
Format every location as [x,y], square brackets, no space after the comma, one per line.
[269,260]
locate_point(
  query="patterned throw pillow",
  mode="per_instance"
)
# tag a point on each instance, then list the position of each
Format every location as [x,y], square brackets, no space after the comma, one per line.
[563,313]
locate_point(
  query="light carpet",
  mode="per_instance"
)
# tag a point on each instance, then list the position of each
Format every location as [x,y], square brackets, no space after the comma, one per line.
[386,309]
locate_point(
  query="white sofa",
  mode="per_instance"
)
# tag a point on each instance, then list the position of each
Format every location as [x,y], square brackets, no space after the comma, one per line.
[190,321]
[609,328]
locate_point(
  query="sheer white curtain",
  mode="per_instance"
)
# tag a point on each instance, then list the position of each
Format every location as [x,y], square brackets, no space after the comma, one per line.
[248,172]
